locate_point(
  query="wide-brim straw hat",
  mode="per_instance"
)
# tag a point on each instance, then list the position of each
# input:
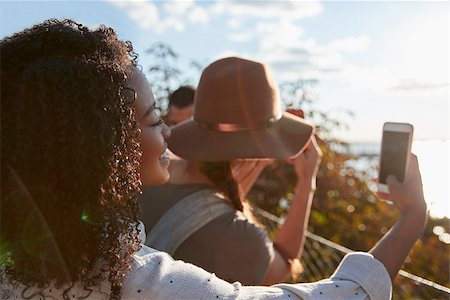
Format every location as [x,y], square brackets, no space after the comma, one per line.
[237,115]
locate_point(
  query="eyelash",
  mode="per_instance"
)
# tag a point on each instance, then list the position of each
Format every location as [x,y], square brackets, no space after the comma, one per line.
[157,123]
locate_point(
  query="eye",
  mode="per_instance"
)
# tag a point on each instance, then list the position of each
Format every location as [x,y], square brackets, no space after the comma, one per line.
[157,123]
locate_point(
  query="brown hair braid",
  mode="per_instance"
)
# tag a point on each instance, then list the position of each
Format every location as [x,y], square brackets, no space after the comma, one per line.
[219,172]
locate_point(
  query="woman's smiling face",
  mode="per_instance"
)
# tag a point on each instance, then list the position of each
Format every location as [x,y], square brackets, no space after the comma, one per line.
[155,159]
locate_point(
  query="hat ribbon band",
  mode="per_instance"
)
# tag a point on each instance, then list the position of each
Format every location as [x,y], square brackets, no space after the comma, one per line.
[233,127]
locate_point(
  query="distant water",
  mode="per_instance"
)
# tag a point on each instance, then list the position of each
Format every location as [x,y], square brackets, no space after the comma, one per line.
[434,166]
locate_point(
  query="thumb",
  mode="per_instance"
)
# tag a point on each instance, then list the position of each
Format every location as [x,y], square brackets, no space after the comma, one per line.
[392,181]
[291,161]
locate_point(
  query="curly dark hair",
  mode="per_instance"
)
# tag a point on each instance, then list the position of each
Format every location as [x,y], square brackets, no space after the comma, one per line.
[69,157]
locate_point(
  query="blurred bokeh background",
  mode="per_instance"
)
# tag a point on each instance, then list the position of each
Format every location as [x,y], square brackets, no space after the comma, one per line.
[351,66]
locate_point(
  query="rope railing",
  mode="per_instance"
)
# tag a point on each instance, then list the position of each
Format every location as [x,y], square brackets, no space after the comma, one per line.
[321,257]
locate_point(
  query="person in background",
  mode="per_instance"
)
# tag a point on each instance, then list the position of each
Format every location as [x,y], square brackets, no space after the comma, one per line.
[79,134]
[221,166]
[181,105]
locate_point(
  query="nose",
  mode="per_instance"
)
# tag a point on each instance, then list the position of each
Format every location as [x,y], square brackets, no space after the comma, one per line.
[166,131]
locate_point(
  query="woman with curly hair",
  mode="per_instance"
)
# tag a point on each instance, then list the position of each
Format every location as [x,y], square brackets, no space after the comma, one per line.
[70,156]
[79,135]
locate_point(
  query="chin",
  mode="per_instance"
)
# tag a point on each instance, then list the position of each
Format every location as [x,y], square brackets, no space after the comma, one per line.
[156,179]
[164,179]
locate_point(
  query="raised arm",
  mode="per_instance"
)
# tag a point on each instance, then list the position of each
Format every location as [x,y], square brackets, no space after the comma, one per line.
[408,198]
[289,241]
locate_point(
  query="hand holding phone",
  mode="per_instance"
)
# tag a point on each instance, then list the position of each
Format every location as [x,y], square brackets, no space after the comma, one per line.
[395,152]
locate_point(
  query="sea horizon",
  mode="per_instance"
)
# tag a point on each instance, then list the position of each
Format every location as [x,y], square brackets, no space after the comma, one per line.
[434,164]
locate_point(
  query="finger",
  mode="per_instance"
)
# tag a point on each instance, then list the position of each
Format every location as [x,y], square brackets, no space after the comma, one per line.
[393,184]
[314,141]
[306,154]
[379,194]
[290,161]
[302,158]
[383,196]
[391,180]
[315,144]
[413,166]
[311,145]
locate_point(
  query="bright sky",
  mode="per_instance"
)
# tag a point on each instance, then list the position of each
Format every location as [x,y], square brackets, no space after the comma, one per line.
[384,61]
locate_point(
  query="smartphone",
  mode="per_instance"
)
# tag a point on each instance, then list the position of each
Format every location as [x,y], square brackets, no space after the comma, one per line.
[395,149]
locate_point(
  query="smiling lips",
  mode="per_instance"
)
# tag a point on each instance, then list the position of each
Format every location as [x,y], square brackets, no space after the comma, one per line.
[164,154]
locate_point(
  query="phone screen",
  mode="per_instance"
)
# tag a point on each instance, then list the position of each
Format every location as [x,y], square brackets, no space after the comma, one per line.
[394,153]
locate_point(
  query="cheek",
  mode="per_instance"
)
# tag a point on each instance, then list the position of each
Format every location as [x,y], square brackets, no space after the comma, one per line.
[153,170]
[151,146]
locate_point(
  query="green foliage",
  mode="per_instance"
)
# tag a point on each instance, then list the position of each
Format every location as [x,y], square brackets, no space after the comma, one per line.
[5,254]
[165,75]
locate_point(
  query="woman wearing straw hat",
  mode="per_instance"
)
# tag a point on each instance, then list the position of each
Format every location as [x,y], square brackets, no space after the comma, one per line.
[237,130]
